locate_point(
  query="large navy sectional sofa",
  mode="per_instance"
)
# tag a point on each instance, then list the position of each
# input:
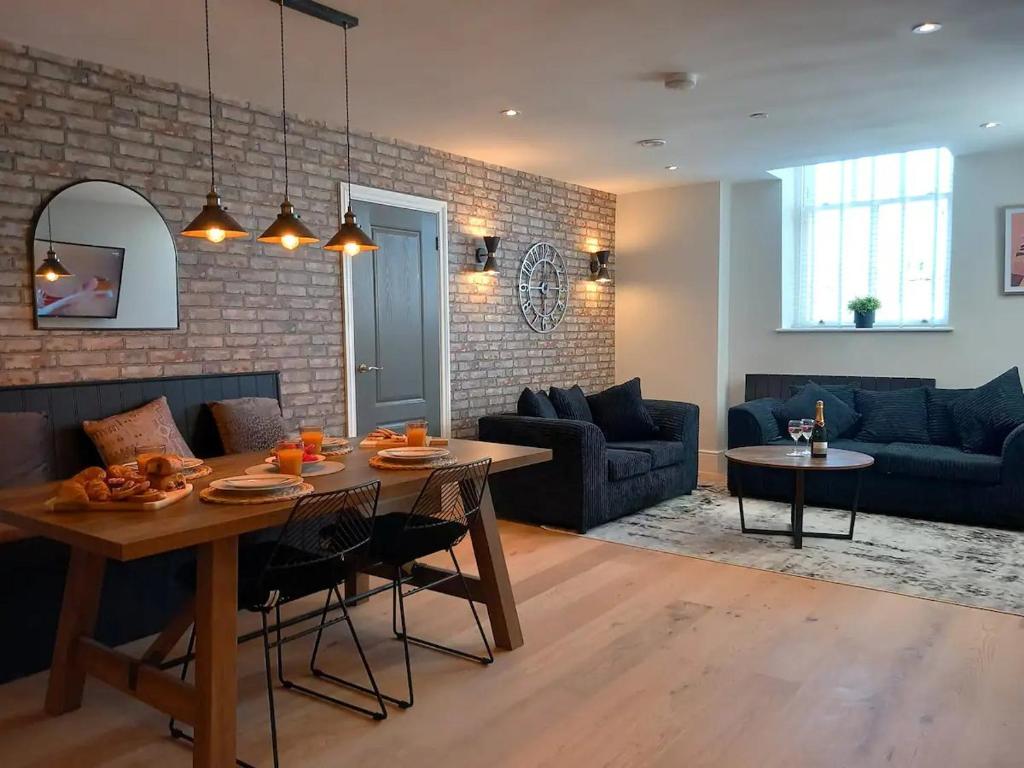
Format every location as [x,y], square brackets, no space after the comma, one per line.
[922,480]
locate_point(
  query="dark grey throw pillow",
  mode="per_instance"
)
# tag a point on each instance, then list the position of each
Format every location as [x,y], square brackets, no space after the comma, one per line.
[986,415]
[571,403]
[839,417]
[535,404]
[30,463]
[896,416]
[941,427]
[249,423]
[845,392]
[621,414]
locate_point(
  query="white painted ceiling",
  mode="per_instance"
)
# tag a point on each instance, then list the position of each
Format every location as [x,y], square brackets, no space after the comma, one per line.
[839,78]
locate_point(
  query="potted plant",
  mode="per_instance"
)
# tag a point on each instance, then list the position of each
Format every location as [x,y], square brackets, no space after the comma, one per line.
[864,310]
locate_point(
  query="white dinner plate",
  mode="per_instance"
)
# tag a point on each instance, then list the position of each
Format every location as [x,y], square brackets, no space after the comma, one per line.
[413,454]
[319,457]
[256,483]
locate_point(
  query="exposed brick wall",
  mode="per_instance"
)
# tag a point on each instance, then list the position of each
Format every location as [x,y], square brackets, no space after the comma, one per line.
[245,306]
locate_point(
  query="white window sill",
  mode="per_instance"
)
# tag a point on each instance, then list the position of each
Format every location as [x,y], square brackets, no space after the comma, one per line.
[877,329]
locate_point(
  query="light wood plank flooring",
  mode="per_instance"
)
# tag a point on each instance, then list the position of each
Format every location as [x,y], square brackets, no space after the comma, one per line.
[632,658]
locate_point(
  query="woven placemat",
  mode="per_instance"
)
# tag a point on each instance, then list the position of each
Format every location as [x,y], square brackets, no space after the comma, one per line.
[379,463]
[201,471]
[214,496]
[341,450]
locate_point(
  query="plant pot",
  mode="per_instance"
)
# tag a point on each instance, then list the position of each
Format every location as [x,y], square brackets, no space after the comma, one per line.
[864,319]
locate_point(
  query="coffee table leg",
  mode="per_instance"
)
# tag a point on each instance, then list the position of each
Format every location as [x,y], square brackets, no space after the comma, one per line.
[739,497]
[856,501]
[798,509]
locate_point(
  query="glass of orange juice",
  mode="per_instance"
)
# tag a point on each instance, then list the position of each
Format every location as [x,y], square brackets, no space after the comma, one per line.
[289,457]
[416,433]
[143,453]
[312,434]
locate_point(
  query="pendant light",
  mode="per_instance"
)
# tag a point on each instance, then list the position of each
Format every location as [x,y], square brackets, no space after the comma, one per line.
[350,238]
[51,269]
[213,222]
[287,229]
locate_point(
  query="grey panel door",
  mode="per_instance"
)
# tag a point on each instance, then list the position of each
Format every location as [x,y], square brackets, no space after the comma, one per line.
[397,324]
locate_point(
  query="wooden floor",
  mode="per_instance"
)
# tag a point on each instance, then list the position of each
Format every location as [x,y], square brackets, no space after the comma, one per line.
[632,658]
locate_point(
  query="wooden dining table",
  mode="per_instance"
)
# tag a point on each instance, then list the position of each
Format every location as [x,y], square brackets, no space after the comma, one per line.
[213,530]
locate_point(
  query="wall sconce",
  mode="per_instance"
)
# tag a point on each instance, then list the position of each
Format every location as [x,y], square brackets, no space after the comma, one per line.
[599,267]
[486,258]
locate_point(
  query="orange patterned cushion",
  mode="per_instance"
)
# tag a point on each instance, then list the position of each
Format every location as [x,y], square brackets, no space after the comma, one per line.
[116,436]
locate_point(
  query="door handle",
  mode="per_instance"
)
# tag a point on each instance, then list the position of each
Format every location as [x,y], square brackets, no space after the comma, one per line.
[364,368]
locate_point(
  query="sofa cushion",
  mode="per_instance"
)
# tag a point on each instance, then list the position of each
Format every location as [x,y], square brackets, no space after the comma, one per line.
[249,423]
[621,414]
[845,392]
[941,462]
[535,404]
[840,418]
[900,415]
[874,450]
[663,453]
[115,437]
[29,463]
[986,415]
[571,404]
[625,464]
[941,427]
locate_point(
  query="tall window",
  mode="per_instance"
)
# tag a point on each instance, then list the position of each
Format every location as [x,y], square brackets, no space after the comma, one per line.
[875,226]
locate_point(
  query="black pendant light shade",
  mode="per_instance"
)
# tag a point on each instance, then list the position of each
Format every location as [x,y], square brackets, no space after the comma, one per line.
[51,269]
[213,222]
[288,230]
[350,238]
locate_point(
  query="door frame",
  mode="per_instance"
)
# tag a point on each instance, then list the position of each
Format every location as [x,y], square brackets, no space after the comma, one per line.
[411,202]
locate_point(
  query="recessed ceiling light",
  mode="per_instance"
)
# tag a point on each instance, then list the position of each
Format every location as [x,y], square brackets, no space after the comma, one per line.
[671,167]
[989,124]
[652,143]
[758,115]
[926,28]
[511,112]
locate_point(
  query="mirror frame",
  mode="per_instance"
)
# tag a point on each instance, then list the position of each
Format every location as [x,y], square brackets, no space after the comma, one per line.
[31,241]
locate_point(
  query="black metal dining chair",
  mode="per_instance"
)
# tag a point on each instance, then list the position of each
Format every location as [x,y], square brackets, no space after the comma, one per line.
[326,538]
[439,519]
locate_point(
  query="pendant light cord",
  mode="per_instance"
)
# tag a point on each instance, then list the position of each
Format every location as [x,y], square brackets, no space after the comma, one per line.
[348,126]
[209,90]
[284,113]
[49,224]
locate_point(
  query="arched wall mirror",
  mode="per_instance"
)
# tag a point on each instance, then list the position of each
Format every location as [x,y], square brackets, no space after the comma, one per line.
[103,257]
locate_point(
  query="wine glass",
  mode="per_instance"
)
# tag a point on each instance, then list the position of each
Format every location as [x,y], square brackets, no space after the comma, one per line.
[807,427]
[796,430]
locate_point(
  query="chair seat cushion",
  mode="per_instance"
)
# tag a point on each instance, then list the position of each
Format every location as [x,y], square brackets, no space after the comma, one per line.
[396,543]
[663,453]
[626,464]
[874,450]
[941,462]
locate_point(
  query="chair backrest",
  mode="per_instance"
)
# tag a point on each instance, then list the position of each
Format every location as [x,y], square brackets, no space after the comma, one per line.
[325,527]
[450,495]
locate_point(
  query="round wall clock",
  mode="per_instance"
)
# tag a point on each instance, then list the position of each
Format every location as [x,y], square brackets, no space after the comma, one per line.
[543,287]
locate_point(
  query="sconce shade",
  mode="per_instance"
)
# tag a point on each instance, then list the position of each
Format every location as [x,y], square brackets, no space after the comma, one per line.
[214,222]
[491,244]
[491,265]
[487,258]
[599,267]
[51,269]
[350,238]
[288,230]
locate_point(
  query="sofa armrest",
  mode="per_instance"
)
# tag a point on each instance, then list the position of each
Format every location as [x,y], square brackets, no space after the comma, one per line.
[1013,457]
[568,491]
[753,423]
[676,421]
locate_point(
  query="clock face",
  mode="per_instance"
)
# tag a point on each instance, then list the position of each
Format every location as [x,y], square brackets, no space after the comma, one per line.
[543,287]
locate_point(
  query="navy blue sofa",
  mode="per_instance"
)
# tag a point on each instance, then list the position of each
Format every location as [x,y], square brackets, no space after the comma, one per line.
[927,481]
[591,481]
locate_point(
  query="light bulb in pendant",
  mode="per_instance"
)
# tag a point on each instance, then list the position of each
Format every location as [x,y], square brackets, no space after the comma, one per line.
[291,242]
[351,248]
[215,235]
[52,276]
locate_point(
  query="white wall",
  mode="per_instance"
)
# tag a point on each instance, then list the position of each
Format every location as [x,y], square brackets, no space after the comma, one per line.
[671,273]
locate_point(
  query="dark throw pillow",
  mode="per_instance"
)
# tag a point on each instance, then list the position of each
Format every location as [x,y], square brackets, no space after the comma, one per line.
[571,403]
[30,463]
[249,423]
[844,392]
[621,414]
[536,404]
[941,427]
[839,417]
[986,415]
[896,416]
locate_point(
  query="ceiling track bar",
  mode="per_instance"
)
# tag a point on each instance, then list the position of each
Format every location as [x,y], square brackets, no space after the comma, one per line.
[321,11]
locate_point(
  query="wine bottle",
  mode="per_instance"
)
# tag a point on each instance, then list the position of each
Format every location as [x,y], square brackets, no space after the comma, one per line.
[819,440]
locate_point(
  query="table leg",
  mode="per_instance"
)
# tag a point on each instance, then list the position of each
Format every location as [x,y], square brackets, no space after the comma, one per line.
[798,509]
[216,653]
[494,579]
[856,501]
[78,613]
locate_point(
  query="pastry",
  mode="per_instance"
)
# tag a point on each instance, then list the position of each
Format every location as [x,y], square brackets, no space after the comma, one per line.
[164,465]
[129,489]
[172,482]
[97,490]
[71,494]
[120,470]
[90,473]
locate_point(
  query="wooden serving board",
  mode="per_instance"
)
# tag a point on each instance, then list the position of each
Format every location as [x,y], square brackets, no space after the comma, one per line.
[123,506]
[368,442]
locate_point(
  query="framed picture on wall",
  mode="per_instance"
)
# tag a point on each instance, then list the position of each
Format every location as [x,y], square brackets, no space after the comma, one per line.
[1013,281]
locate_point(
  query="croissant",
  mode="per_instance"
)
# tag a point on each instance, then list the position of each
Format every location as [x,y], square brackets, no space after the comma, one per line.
[97,490]
[164,465]
[71,495]
[89,473]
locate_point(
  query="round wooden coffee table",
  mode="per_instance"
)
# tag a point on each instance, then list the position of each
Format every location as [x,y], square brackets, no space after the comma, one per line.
[775,457]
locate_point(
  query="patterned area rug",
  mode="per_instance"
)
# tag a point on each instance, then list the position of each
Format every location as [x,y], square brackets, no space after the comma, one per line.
[980,567]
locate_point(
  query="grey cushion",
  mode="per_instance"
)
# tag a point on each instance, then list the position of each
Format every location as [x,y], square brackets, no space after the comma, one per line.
[845,392]
[840,418]
[900,415]
[29,462]
[249,424]
[941,427]
[941,462]
[621,414]
[571,404]
[535,404]
[986,415]
[663,453]
[626,464]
